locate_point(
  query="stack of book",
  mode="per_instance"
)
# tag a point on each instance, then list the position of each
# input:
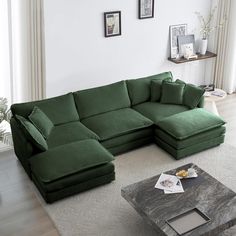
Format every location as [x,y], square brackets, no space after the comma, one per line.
[169,184]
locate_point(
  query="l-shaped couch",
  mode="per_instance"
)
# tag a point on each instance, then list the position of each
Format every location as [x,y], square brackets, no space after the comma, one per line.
[66,143]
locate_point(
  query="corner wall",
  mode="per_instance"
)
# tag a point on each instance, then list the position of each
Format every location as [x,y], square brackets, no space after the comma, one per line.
[78,56]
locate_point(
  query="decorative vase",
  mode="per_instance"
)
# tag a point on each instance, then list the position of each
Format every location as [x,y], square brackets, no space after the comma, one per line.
[203,46]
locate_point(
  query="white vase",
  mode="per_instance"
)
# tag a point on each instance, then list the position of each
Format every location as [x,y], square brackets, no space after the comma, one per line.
[203,46]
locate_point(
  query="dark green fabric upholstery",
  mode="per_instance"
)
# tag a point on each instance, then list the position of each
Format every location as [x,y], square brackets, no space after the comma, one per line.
[41,122]
[192,95]
[103,99]
[189,123]
[156,89]
[172,93]
[116,123]
[22,147]
[73,189]
[184,152]
[198,138]
[157,111]
[76,178]
[126,138]
[32,134]
[59,110]
[75,161]
[69,159]
[130,145]
[68,133]
[201,102]
[140,89]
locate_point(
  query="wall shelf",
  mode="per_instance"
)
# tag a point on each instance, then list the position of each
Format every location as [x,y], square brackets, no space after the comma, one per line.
[200,57]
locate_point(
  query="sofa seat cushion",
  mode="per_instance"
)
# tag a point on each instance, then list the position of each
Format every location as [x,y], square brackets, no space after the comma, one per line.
[157,111]
[89,176]
[186,143]
[116,123]
[190,123]
[69,159]
[70,132]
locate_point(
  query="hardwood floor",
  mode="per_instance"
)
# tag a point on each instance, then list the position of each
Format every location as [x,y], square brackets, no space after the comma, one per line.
[20,211]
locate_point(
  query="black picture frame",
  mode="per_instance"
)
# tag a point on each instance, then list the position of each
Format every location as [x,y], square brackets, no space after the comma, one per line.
[145,9]
[112,23]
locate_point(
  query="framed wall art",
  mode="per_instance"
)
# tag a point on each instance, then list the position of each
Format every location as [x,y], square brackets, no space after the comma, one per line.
[175,31]
[184,40]
[146,9]
[112,23]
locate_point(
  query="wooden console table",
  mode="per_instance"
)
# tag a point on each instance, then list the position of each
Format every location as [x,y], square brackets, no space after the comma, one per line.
[200,57]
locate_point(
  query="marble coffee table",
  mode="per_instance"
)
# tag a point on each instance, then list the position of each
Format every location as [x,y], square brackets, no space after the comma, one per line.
[204,192]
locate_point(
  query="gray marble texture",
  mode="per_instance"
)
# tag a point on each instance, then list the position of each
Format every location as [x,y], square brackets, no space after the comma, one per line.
[205,192]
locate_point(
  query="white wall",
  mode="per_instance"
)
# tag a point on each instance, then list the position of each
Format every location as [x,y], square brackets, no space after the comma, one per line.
[78,55]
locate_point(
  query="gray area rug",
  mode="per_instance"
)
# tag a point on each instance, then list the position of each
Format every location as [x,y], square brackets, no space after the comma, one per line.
[103,212]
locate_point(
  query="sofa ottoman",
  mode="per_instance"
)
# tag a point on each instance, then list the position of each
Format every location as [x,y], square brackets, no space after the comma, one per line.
[71,168]
[189,132]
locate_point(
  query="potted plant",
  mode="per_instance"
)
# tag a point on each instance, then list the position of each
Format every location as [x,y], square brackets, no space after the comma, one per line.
[5,115]
[206,28]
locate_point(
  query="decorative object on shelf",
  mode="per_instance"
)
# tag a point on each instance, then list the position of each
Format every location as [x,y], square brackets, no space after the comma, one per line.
[5,116]
[175,31]
[186,40]
[203,46]
[188,51]
[112,23]
[146,9]
[207,28]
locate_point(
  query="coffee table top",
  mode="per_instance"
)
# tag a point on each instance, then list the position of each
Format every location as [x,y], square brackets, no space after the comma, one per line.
[204,192]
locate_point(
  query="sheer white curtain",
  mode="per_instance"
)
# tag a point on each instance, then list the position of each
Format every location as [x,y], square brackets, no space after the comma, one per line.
[21,53]
[5,59]
[27,50]
[225,67]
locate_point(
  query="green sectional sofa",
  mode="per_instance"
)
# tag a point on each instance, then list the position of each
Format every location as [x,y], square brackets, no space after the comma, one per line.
[66,143]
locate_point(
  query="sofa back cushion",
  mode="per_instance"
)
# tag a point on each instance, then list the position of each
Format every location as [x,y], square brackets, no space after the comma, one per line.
[139,89]
[102,99]
[59,109]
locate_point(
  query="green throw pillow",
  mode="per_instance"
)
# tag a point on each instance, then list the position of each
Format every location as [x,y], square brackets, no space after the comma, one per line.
[192,94]
[32,133]
[41,121]
[156,86]
[180,81]
[172,93]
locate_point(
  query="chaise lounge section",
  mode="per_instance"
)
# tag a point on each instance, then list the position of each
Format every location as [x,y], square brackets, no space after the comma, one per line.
[66,143]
